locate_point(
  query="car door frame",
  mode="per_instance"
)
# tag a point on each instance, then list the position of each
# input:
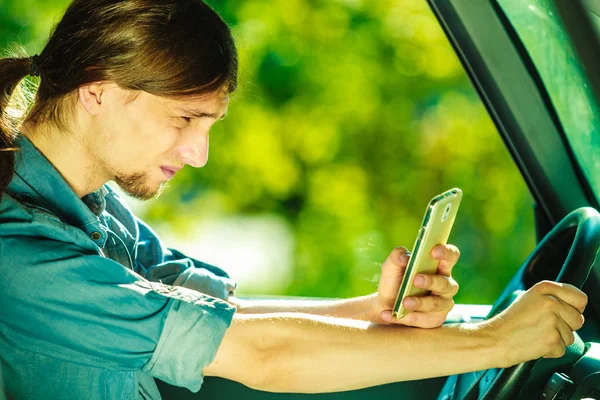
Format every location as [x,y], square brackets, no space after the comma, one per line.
[511,89]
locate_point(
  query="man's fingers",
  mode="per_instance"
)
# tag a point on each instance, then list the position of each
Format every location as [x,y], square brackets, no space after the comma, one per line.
[566,333]
[563,291]
[570,315]
[448,255]
[421,320]
[444,286]
[564,304]
[386,316]
[428,304]
[392,271]
[428,311]
[415,319]
[447,252]
[558,352]
[397,260]
[560,340]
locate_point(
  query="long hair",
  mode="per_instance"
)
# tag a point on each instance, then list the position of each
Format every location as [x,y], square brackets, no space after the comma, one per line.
[168,48]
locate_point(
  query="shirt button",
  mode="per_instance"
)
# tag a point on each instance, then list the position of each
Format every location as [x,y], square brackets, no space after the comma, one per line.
[96,236]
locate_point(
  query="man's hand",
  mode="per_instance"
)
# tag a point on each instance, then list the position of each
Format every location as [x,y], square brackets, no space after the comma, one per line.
[427,311]
[540,323]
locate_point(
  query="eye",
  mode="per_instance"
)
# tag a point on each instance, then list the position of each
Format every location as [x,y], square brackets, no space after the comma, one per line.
[187,119]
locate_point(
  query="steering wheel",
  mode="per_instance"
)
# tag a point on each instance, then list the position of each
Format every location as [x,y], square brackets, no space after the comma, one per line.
[575,241]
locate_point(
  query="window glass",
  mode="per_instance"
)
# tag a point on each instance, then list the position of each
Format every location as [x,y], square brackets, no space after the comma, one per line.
[351,115]
[350,119]
[538,25]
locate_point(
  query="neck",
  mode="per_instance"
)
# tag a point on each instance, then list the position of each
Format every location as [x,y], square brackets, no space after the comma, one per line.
[69,156]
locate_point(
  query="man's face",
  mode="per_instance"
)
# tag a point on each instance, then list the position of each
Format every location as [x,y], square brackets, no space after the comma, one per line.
[141,142]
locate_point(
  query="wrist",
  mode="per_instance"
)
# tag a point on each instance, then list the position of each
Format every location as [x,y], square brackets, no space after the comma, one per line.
[493,337]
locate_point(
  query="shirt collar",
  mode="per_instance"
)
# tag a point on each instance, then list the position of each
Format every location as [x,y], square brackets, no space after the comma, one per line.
[36,181]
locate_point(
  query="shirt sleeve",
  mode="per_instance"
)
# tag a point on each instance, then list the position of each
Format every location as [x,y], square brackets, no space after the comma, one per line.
[161,264]
[60,301]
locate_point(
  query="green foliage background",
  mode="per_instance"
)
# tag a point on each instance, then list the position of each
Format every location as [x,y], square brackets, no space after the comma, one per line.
[351,115]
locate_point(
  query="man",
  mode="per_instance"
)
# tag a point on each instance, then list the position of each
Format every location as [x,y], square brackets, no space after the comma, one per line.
[95,305]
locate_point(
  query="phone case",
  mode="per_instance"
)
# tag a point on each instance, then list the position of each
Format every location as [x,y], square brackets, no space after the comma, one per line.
[435,230]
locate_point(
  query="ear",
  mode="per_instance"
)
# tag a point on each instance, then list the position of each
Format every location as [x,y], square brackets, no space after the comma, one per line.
[90,97]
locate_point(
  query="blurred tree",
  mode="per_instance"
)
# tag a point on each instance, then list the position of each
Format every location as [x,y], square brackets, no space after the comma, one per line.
[351,115]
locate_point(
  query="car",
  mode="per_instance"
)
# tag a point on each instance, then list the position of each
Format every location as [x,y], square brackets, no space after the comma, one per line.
[534,64]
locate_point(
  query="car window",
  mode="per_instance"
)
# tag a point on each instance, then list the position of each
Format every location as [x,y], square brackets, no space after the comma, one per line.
[329,157]
[539,27]
[349,118]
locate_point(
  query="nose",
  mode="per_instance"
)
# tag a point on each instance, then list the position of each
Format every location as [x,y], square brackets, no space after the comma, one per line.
[194,151]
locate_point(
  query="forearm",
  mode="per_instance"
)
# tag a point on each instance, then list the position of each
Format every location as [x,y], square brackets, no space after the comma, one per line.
[359,308]
[309,354]
[324,357]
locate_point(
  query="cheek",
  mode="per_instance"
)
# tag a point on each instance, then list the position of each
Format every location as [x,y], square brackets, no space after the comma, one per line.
[141,134]
[144,127]
[147,139]
[165,140]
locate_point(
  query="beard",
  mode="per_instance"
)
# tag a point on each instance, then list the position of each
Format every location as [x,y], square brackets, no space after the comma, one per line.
[136,186]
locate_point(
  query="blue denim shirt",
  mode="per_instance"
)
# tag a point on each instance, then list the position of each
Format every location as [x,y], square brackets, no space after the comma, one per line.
[93,304]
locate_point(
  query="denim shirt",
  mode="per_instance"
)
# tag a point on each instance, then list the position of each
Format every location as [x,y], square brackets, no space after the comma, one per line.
[93,304]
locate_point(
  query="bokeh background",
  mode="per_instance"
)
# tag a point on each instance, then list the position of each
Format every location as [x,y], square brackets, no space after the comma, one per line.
[351,115]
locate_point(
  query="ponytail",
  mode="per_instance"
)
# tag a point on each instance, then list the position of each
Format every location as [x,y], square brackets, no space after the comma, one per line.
[13,107]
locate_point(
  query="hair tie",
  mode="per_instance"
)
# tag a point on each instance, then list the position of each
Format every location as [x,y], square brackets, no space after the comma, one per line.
[34,69]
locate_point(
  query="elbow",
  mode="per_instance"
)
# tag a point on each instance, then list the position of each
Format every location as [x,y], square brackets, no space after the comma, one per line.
[263,355]
[266,369]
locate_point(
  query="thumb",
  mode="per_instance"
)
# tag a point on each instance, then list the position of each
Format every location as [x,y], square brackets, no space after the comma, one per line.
[392,272]
[386,315]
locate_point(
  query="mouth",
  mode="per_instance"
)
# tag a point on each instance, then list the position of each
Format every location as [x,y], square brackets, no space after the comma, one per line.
[169,172]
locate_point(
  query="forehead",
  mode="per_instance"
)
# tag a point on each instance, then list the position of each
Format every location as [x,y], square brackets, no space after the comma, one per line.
[214,101]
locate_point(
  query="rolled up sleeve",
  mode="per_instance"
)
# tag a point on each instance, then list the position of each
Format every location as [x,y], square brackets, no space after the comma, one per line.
[204,281]
[195,325]
[157,263]
[61,302]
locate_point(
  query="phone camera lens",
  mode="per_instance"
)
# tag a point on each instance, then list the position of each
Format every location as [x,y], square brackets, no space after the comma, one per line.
[446,212]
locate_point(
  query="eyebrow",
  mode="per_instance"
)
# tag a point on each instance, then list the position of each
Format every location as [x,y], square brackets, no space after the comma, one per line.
[201,114]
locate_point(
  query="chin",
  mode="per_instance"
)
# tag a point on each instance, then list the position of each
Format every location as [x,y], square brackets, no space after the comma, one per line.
[149,193]
[138,187]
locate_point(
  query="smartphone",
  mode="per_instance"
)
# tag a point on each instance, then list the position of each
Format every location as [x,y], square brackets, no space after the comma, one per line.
[435,230]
